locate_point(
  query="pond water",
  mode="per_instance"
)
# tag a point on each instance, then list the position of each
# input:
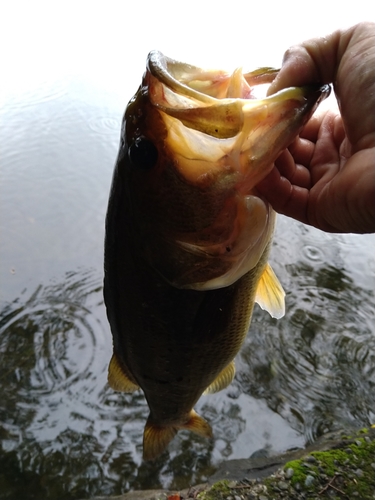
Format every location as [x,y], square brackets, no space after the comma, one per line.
[64,434]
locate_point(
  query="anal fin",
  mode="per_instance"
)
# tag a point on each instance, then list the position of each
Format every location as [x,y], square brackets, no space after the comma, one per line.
[118,379]
[222,381]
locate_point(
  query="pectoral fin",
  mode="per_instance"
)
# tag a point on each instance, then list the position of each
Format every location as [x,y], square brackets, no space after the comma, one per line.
[270,294]
[157,437]
[118,379]
[222,381]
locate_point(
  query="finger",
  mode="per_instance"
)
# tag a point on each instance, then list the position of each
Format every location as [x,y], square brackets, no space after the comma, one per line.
[284,197]
[302,151]
[297,69]
[315,60]
[304,148]
[327,158]
[296,204]
[310,131]
[288,166]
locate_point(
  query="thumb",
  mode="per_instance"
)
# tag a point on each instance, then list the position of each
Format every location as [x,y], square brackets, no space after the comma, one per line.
[345,58]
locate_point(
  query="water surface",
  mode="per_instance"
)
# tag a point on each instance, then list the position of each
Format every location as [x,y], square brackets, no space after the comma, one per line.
[64,434]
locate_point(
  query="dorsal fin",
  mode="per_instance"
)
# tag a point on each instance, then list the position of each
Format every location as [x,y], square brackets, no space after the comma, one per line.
[270,294]
[222,381]
[118,379]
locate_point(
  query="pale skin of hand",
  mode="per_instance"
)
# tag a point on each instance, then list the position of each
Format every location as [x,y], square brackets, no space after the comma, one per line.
[326,178]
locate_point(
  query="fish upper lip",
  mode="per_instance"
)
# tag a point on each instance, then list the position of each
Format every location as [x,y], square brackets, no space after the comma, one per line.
[172,73]
[201,106]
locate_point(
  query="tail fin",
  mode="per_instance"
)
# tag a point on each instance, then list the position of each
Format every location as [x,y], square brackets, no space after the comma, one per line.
[157,437]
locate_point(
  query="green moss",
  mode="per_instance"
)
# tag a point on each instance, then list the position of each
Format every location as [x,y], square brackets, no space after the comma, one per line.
[330,460]
[343,463]
[345,471]
[300,471]
[216,492]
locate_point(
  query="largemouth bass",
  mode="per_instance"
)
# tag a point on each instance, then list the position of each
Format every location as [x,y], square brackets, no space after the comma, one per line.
[188,236]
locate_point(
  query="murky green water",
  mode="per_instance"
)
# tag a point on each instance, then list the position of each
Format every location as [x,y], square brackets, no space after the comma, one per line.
[64,434]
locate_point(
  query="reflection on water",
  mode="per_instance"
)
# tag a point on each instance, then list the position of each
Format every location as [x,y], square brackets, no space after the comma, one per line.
[64,434]
[317,366]
[59,419]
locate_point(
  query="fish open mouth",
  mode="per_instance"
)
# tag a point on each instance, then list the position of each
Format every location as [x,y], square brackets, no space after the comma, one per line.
[214,114]
[217,140]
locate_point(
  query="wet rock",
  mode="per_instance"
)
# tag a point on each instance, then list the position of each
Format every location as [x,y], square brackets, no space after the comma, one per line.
[289,473]
[283,485]
[261,453]
[309,481]
[358,473]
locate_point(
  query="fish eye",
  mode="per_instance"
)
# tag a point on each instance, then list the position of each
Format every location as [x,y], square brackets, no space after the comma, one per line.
[143,154]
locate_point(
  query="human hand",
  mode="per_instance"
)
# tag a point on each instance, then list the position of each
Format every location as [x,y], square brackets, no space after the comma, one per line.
[326,178]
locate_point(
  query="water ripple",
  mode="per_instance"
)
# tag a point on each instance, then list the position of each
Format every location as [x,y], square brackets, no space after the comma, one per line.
[313,253]
[316,366]
[49,341]
[104,125]
[26,93]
